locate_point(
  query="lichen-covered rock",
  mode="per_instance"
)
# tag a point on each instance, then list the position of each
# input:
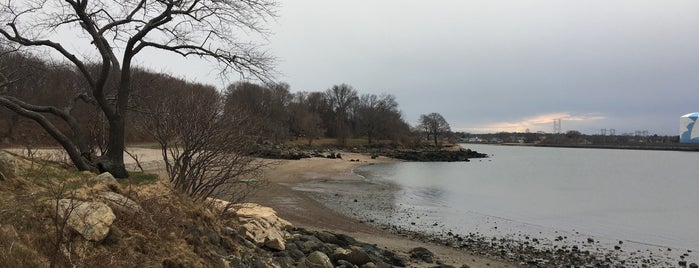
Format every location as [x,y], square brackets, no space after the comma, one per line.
[92,220]
[106,178]
[8,166]
[260,224]
[121,201]
[317,259]
[354,255]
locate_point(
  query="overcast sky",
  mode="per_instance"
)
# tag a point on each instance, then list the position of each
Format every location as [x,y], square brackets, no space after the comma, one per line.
[495,65]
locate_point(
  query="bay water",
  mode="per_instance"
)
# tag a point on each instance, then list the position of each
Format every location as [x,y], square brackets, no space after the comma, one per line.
[648,197]
[647,200]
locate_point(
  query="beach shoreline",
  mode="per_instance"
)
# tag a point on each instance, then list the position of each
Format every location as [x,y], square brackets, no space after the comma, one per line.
[330,196]
[306,212]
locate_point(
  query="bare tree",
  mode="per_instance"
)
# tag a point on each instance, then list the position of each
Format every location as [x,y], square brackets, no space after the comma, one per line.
[207,153]
[304,121]
[376,115]
[434,126]
[341,99]
[119,31]
[267,103]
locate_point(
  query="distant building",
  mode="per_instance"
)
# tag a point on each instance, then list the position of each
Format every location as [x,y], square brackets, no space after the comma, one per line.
[689,132]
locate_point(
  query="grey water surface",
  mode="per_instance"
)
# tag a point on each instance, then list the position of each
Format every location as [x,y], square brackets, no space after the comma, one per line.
[643,196]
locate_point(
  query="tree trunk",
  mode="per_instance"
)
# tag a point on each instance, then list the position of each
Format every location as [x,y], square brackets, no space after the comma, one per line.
[75,155]
[113,160]
[435,141]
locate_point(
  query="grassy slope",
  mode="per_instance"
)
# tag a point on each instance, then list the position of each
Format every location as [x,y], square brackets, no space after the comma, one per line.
[173,230]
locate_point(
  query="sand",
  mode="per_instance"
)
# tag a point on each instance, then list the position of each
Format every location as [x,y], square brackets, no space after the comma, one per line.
[305,212]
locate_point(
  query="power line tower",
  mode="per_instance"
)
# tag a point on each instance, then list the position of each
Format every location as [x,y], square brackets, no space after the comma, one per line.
[603,132]
[557,126]
[612,132]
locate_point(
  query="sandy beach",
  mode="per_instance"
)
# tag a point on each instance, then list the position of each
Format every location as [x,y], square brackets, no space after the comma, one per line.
[305,212]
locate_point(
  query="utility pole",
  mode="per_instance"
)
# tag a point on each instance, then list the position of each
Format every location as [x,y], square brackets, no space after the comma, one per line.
[557,126]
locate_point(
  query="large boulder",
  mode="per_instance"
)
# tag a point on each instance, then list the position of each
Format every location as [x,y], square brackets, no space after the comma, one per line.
[317,259]
[422,254]
[8,166]
[106,178]
[262,226]
[354,255]
[121,201]
[92,220]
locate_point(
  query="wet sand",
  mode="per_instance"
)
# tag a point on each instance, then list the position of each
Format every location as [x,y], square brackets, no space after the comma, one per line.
[304,211]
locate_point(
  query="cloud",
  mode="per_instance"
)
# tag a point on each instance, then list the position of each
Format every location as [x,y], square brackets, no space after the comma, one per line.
[543,122]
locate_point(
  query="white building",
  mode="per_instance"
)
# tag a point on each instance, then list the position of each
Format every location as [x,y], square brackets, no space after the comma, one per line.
[689,132]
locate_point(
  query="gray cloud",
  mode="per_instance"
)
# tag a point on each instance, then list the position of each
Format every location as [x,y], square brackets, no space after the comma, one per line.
[484,62]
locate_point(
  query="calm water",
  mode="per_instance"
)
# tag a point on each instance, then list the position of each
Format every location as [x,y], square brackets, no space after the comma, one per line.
[641,197]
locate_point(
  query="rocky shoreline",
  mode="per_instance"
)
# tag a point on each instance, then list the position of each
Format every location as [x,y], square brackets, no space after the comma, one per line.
[374,204]
[449,154]
[461,155]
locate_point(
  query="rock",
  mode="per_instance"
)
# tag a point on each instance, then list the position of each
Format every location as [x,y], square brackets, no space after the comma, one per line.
[309,246]
[296,254]
[357,256]
[284,262]
[8,166]
[328,237]
[318,259]
[261,225]
[106,178]
[275,241]
[422,254]
[92,220]
[394,259]
[369,265]
[682,263]
[590,240]
[121,201]
[693,265]
[345,264]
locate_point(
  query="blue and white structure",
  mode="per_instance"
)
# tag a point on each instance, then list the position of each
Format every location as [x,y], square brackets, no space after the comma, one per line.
[689,131]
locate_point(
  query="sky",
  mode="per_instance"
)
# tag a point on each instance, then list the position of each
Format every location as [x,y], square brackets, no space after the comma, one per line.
[493,65]
[498,65]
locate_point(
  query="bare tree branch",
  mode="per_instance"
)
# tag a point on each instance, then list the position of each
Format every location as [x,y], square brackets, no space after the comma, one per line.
[120,30]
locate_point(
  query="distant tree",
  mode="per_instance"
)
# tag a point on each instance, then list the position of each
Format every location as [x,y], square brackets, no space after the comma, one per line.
[304,121]
[376,115]
[267,104]
[434,126]
[119,31]
[341,99]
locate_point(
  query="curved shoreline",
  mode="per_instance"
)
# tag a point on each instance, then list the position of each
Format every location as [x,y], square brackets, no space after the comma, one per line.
[367,204]
[301,209]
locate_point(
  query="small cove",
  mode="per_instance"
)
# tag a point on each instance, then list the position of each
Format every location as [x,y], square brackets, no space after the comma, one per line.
[645,199]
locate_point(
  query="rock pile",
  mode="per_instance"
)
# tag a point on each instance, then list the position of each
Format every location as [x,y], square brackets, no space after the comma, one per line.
[261,225]
[313,249]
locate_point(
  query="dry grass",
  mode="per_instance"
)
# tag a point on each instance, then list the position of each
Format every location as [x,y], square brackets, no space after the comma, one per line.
[172,229]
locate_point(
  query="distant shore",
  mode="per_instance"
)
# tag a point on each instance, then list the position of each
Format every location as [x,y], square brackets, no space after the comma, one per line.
[650,146]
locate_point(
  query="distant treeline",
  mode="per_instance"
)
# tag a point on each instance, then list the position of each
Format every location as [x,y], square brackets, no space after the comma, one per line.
[339,112]
[571,137]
